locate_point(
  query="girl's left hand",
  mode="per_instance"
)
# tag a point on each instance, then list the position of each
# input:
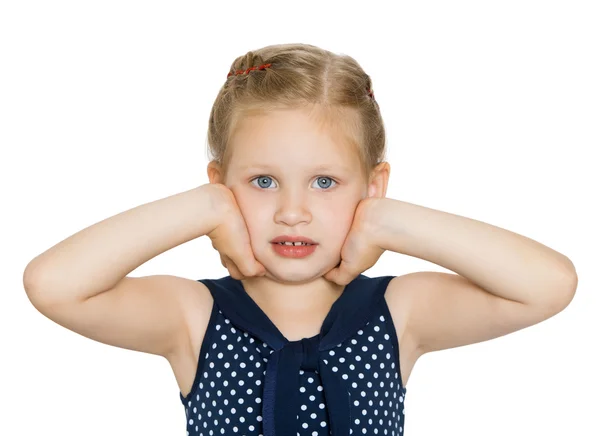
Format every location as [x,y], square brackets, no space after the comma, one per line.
[360,251]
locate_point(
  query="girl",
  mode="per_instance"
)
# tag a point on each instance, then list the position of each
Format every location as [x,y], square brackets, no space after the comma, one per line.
[296,340]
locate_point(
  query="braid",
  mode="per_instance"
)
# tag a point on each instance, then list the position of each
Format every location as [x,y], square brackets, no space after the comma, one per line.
[249,57]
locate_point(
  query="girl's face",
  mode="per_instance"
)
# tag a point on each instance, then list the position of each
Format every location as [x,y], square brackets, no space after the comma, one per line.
[291,177]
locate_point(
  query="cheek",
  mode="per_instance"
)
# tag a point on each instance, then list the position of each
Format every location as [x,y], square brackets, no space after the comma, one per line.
[338,224]
[255,218]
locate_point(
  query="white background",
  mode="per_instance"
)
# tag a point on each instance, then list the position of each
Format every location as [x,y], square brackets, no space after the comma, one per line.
[492,112]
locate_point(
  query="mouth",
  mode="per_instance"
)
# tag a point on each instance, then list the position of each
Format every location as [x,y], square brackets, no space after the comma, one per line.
[293,244]
[295,241]
[293,249]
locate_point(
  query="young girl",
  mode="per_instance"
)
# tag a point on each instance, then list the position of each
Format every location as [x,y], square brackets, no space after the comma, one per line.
[296,340]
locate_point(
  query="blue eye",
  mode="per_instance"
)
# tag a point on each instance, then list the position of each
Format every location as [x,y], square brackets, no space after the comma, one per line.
[326,179]
[323,182]
[263,181]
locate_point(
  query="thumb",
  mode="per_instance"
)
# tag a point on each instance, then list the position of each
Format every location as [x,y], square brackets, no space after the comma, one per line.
[333,274]
[255,268]
[342,275]
[261,270]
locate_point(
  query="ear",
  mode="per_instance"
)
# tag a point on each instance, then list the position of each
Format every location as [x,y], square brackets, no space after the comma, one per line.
[215,173]
[378,180]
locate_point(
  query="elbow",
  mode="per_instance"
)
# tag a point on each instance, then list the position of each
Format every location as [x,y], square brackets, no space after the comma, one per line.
[564,289]
[32,283]
[570,288]
[571,280]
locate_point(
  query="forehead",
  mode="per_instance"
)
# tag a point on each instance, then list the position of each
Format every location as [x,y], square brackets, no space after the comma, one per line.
[292,138]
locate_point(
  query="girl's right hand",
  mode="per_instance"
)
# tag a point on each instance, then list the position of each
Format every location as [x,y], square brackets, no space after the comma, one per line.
[230,237]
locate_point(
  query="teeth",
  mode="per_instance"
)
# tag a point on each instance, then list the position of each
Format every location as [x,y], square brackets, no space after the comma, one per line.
[293,243]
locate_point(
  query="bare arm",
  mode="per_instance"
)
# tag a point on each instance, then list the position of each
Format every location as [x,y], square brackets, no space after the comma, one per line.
[96,258]
[81,284]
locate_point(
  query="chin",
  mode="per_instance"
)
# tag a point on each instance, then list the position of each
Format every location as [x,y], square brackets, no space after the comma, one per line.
[293,274]
[296,270]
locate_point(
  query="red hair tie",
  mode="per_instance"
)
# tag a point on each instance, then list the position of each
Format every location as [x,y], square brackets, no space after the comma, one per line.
[262,67]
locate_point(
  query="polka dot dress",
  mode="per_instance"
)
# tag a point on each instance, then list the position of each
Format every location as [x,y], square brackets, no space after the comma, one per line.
[352,384]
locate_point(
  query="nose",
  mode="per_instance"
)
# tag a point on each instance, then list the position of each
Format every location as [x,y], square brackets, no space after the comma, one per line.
[293,208]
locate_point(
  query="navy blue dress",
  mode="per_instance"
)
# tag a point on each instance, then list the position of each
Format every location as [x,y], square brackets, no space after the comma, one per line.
[251,380]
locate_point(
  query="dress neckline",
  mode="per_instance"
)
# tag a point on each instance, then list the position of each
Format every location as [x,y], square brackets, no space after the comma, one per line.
[260,314]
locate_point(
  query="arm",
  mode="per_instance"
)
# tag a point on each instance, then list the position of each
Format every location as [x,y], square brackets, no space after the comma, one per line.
[81,284]
[96,258]
[505,281]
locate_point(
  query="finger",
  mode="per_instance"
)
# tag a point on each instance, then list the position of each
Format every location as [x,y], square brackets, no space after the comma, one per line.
[248,265]
[342,274]
[332,275]
[261,269]
[233,269]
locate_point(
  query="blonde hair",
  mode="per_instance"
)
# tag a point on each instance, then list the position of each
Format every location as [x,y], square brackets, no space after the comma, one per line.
[299,75]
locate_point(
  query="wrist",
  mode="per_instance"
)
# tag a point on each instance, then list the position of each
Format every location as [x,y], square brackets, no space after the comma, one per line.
[375,210]
[214,204]
[388,226]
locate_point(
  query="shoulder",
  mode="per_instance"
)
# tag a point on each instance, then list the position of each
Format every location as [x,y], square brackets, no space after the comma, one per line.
[197,304]
[406,294]
[398,300]
[197,307]
[397,297]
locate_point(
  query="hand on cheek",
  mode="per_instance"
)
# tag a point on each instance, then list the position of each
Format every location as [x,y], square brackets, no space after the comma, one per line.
[359,251]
